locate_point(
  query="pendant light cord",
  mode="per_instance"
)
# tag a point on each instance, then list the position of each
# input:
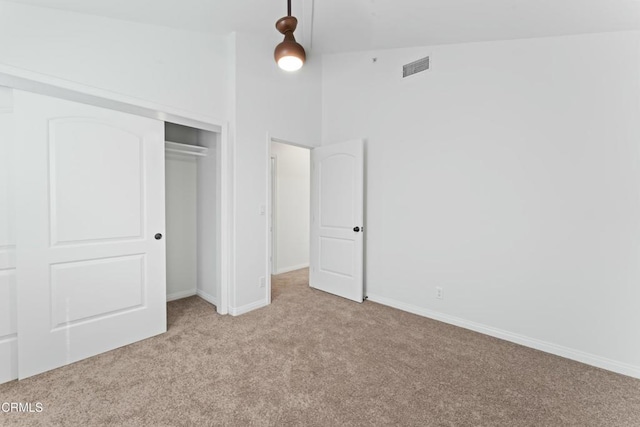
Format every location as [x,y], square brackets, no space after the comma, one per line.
[288,7]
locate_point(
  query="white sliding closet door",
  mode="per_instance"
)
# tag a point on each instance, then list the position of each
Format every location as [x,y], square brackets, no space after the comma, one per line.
[90,251]
[8,316]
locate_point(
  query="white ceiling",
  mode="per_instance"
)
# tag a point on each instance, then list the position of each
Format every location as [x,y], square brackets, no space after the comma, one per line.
[347,25]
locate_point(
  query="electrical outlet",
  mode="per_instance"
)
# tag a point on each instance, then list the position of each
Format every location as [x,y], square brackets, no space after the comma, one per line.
[439,293]
[263,282]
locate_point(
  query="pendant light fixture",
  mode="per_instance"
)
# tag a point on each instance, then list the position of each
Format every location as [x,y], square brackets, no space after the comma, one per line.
[289,54]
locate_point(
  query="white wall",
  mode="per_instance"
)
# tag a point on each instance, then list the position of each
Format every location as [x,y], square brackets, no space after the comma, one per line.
[292,198]
[209,218]
[509,175]
[287,105]
[180,69]
[8,301]
[181,224]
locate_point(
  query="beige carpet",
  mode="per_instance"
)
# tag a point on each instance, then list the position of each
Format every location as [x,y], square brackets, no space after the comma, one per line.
[314,359]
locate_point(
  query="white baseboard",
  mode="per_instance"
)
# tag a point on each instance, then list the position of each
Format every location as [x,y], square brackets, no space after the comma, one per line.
[8,358]
[292,268]
[182,294]
[237,311]
[558,350]
[207,297]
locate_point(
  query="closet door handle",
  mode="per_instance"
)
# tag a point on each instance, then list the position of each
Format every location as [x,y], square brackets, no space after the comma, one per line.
[158,236]
[356,229]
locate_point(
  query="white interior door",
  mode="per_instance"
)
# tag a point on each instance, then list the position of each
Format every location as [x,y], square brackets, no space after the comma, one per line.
[337,206]
[91,273]
[8,299]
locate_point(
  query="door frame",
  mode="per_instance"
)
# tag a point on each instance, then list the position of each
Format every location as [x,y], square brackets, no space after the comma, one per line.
[42,84]
[270,256]
[273,211]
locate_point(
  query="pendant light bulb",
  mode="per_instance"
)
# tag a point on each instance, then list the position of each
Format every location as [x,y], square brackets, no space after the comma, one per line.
[290,63]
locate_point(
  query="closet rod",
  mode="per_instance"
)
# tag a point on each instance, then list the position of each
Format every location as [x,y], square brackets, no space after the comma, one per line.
[190,153]
[177,147]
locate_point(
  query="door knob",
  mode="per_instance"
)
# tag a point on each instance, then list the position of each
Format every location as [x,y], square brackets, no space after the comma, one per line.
[356,229]
[158,236]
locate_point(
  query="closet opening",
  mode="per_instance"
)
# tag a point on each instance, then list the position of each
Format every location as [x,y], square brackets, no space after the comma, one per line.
[192,200]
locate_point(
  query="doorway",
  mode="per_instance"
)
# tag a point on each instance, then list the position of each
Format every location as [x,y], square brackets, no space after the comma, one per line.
[335,219]
[289,208]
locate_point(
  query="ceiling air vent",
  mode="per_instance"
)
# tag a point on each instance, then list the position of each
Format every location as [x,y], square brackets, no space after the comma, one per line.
[415,67]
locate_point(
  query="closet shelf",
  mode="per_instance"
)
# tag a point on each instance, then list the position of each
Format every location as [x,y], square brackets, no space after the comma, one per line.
[193,150]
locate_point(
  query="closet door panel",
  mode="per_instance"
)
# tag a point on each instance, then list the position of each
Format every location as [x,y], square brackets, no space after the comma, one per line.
[93,189]
[90,202]
[8,299]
